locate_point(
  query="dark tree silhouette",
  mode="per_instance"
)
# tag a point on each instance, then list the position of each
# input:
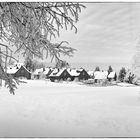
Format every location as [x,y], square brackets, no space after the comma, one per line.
[97,68]
[110,69]
[122,74]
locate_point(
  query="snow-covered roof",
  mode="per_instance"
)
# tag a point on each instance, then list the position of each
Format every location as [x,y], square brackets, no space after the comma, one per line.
[46,71]
[18,64]
[73,72]
[91,73]
[81,69]
[26,69]
[100,75]
[37,71]
[60,72]
[12,70]
[112,74]
[54,72]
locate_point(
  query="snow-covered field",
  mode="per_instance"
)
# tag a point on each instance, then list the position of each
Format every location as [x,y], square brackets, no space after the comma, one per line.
[44,109]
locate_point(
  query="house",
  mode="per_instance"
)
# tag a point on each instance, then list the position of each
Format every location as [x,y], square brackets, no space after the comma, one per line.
[112,76]
[91,73]
[100,75]
[80,74]
[47,72]
[54,71]
[19,71]
[83,74]
[74,73]
[59,74]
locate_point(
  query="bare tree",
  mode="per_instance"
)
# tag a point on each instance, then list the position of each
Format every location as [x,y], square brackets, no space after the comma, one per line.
[62,64]
[30,26]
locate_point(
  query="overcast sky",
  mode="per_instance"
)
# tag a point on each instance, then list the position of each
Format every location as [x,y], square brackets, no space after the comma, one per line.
[107,33]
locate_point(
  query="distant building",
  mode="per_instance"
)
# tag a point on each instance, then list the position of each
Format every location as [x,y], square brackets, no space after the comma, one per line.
[19,71]
[100,75]
[112,76]
[83,74]
[47,72]
[74,73]
[71,74]
[58,74]
[91,73]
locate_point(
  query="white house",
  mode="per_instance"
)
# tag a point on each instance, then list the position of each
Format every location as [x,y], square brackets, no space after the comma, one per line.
[98,75]
[90,73]
[112,76]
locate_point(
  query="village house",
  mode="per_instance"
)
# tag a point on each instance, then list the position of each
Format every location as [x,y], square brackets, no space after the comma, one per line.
[47,72]
[74,74]
[19,71]
[69,74]
[99,76]
[59,74]
[112,76]
[54,71]
[83,74]
[79,74]
[91,73]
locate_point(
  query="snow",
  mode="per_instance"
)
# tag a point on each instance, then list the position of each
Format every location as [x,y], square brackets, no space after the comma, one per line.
[125,84]
[60,72]
[73,72]
[37,71]
[100,74]
[54,72]
[81,69]
[91,73]
[18,64]
[12,70]
[46,71]
[68,109]
[112,74]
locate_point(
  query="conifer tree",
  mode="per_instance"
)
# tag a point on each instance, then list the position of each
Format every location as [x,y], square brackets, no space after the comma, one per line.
[97,68]
[110,69]
[122,74]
